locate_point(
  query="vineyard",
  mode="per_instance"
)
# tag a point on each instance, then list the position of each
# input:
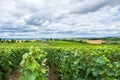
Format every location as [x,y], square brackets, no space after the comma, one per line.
[84,63]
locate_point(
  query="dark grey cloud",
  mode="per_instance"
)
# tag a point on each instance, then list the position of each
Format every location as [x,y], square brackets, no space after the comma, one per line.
[16,29]
[94,5]
[35,21]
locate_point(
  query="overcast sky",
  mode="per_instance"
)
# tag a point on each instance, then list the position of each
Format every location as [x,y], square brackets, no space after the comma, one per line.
[59,18]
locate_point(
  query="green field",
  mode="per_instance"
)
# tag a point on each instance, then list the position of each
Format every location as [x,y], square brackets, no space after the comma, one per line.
[43,44]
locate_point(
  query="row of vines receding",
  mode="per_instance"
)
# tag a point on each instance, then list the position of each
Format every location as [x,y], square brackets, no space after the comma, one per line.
[61,63]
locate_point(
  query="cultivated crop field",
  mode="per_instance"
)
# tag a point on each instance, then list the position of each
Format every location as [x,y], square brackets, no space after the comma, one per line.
[45,44]
[59,60]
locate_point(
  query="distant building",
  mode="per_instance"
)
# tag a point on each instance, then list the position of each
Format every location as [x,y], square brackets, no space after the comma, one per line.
[19,41]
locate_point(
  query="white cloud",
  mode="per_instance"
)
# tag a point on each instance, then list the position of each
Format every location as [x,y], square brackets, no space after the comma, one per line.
[63,18]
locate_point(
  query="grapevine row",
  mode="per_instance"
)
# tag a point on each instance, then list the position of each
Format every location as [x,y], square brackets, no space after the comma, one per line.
[68,64]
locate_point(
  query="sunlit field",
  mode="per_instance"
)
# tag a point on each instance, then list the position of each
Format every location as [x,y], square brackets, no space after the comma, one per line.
[43,44]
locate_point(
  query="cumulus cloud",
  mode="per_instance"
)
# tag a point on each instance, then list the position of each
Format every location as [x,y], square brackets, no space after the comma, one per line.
[59,19]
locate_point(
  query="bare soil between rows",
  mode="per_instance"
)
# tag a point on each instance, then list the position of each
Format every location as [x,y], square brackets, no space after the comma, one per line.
[52,74]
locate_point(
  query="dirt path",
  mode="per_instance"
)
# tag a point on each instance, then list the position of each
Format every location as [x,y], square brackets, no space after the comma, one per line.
[52,75]
[15,75]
